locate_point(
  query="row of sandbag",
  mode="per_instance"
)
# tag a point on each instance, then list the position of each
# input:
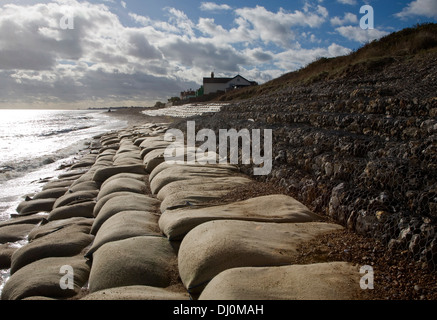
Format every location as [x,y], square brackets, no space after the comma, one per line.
[131,259]
[241,250]
[58,221]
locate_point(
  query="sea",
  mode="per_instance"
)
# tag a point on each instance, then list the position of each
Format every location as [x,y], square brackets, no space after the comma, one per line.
[34,144]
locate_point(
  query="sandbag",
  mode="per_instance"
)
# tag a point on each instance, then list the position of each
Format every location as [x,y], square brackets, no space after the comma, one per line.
[43,277]
[53,226]
[6,252]
[84,186]
[50,193]
[185,172]
[197,185]
[83,210]
[137,293]
[131,202]
[319,281]
[36,206]
[30,219]
[68,241]
[188,167]
[175,224]
[215,246]
[15,232]
[104,173]
[75,197]
[123,225]
[59,183]
[190,198]
[122,184]
[105,199]
[136,176]
[153,159]
[149,261]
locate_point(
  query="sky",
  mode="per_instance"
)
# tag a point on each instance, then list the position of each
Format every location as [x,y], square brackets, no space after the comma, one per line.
[80,54]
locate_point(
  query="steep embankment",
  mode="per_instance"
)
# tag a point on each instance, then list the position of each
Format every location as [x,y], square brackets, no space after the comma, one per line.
[355,137]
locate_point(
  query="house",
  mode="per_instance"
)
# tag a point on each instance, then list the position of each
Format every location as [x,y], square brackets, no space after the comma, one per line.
[185,95]
[213,84]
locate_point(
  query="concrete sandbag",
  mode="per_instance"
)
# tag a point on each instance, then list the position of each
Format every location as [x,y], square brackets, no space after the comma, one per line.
[120,185]
[68,241]
[84,186]
[50,193]
[131,202]
[6,252]
[190,198]
[188,167]
[35,206]
[15,232]
[53,226]
[186,172]
[105,199]
[319,281]
[75,197]
[43,278]
[148,261]
[104,173]
[72,174]
[128,162]
[83,210]
[16,219]
[153,146]
[215,246]
[137,293]
[110,142]
[175,224]
[202,184]
[153,159]
[86,177]
[58,184]
[149,141]
[136,176]
[123,225]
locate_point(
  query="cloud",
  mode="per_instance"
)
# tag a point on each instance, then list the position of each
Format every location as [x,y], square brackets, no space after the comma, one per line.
[280,24]
[211,6]
[102,61]
[357,34]
[350,2]
[294,59]
[348,18]
[426,8]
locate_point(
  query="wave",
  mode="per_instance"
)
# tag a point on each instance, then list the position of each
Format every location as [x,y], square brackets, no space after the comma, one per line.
[63,131]
[20,167]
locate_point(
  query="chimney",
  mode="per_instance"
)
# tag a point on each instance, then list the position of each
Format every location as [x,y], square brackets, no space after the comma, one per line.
[212,75]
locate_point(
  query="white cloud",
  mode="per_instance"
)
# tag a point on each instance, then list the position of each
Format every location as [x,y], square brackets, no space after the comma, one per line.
[350,2]
[123,4]
[347,19]
[426,8]
[211,6]
[360,35]
[294,59]
[277,27]
[101,59]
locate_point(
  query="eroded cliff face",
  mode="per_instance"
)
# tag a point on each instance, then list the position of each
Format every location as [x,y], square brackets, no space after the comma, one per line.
[360,147]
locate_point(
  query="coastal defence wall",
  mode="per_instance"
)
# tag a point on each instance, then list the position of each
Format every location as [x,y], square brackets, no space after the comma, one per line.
[123,224]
